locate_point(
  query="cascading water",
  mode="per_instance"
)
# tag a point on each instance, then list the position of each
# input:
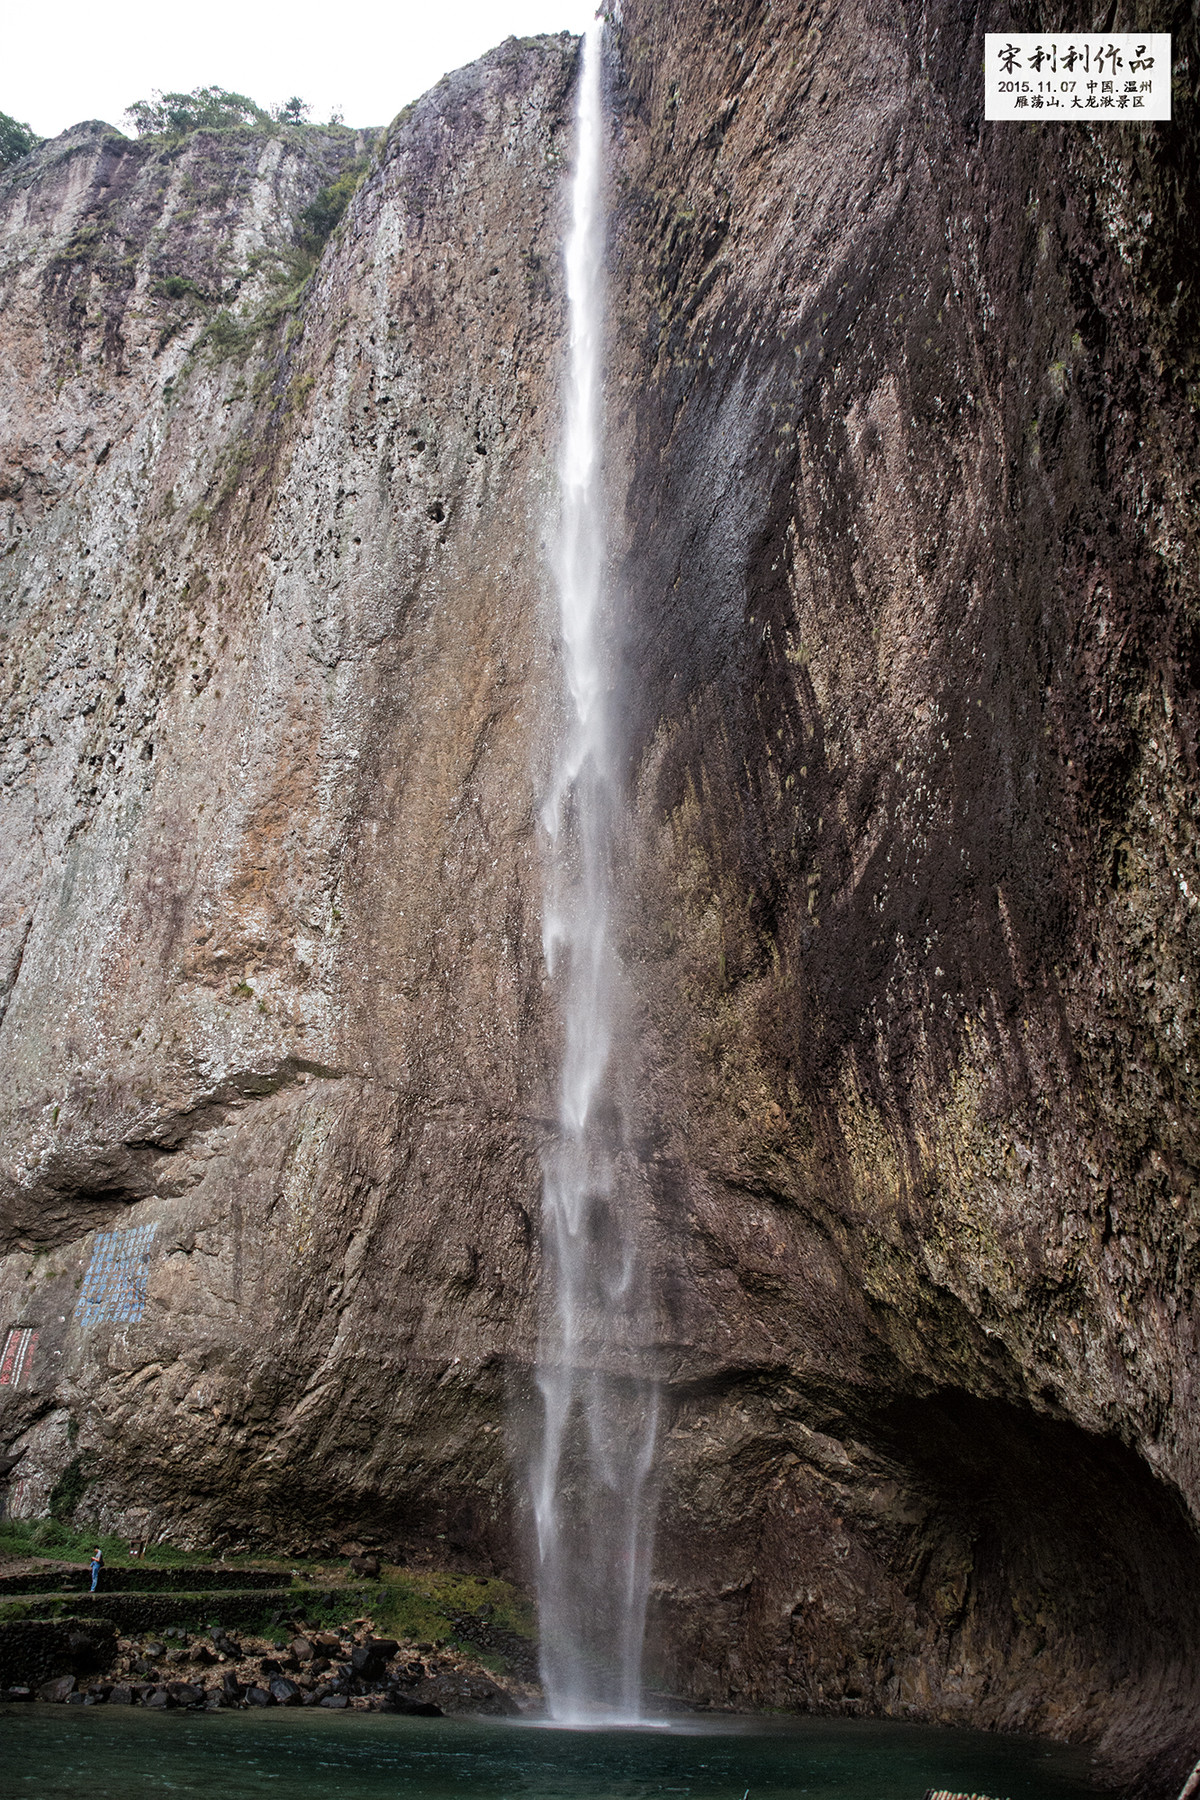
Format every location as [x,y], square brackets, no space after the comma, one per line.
[592,1498]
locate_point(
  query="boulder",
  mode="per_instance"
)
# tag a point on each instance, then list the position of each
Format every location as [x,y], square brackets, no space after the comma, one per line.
[402,1703]
[256,1696]
[186,1693]
[58,1690]
[302,1649]
[158,1698]
[335,1702]
[284,1692]
[231,1687]
[121,1695]
[459,1693]
[367,1567]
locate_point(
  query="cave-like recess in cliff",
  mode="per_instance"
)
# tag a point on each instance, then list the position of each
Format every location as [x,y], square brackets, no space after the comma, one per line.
[1078,1555]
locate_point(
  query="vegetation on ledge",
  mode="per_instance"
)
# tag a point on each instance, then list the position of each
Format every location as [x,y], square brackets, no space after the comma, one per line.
[174,116]
[480,1615]
[16,140]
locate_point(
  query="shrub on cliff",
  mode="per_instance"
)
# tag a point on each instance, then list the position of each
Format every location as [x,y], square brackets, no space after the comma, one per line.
[16,140]
[322,214]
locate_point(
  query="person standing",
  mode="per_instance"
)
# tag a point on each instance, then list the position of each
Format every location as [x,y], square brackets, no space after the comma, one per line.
[97,1565]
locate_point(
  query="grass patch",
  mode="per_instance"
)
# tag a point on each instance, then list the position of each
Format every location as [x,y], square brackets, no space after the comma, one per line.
[64,1542]
[262,1615]
[420,1603]
[424,1606]
[491,1660]
[231,336]
[299,391]
[417,1606]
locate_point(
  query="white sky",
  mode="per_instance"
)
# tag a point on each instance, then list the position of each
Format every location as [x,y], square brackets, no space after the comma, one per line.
[75,60]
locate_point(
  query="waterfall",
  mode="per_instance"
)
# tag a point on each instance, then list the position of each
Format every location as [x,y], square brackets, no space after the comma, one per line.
[592,1498]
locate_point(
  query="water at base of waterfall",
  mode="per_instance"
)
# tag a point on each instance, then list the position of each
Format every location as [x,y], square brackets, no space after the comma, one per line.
[591,1480]
[126,1753]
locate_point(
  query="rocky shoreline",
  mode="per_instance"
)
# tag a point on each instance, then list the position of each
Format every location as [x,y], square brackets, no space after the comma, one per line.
[345,1669]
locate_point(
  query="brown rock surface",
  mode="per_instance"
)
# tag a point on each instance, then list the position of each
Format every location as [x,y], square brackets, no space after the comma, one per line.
[903,423]
[911,566]
[275,635]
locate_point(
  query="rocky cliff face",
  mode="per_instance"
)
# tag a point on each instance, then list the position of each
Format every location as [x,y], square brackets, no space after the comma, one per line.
[912,574]
[277,663]
[904,463]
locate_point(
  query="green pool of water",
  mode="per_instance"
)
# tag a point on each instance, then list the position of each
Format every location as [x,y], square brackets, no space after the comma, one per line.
[126,1754]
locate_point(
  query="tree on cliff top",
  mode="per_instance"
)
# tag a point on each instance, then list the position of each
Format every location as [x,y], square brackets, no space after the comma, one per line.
[204,109]
[212,109]
[16,140]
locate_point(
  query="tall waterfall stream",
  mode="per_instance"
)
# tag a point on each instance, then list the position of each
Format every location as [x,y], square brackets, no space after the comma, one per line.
[591,1480]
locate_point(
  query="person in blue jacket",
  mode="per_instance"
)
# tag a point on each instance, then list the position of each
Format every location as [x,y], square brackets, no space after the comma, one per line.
[97,1565]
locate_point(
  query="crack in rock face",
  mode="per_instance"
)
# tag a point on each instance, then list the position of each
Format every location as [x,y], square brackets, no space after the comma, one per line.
[901,461]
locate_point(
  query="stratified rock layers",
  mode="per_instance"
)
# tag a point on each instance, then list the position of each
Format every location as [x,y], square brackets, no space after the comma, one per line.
[904,470]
